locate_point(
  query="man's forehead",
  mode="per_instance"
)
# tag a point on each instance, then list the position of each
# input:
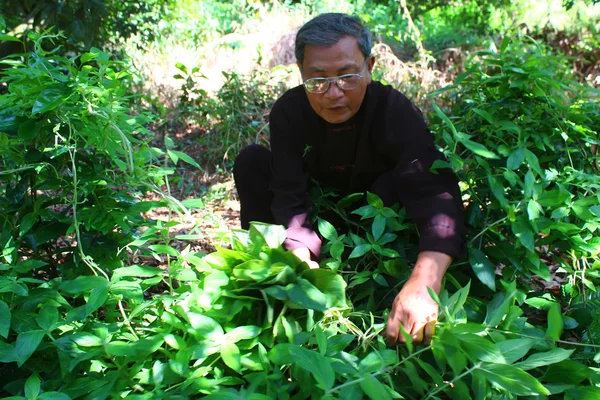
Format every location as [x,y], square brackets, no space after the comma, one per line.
[324,66]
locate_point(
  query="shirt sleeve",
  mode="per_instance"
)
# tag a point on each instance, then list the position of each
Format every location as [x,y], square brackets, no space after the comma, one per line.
[291,205]
[432,198]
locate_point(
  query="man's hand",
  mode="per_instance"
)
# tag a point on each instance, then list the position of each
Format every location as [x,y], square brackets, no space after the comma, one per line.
[413,308]
[304,255]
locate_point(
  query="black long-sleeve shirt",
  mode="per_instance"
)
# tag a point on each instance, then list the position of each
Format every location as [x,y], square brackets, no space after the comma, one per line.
[392,136]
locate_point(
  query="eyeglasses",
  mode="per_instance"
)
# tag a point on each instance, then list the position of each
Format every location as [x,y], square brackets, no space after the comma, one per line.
[344,82]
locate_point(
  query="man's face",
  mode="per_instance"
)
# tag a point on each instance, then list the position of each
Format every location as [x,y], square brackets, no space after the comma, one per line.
[336,105]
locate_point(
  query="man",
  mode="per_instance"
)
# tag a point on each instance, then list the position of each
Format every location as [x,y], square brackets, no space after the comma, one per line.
[345,130]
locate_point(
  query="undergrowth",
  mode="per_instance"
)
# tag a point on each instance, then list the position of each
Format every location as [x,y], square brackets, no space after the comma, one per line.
[79,320]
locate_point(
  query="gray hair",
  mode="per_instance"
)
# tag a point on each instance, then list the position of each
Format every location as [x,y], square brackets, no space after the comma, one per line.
[327,29]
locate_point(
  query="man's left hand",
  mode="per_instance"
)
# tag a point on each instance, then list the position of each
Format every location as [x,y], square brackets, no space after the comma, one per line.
[413,308]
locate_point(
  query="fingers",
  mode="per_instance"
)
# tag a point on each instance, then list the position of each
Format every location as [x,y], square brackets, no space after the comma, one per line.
[429,331]
[420,333]
[392,331]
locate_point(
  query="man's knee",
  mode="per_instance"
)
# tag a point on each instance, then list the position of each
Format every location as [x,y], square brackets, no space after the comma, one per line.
[252,158]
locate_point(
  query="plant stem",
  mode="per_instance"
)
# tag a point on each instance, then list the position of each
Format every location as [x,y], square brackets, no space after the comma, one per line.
[127,321]
[87,260]
[459,377]
[486,229]
[382,371]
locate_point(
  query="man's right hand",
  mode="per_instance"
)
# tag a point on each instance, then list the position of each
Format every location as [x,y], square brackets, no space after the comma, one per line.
[304,255]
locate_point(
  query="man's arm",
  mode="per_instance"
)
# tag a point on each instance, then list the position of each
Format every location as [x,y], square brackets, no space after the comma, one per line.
[433,201]
[291,205]
[413,308]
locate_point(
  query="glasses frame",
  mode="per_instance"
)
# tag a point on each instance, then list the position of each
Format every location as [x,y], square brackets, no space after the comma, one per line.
[335,79]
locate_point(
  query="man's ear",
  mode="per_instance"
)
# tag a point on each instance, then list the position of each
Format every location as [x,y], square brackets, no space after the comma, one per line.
[371,63]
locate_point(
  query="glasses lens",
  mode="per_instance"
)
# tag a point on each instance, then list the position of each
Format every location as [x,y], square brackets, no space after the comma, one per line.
[316,85]
[349,82]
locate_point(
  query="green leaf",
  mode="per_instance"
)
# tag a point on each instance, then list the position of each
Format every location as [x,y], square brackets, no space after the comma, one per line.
[28,131]
[53,396]
[193,203]
[97,298]
[32,387]
[4,319]
[120,349]
[524,234]
[27,223]
[48,100]
[479,385]
[516,159]
[515,349]
[327,230]
[205,327]
[165,249]
[85,57]
[533,210]
[337,249]
[584,393]
[486,115]
[546,358]
[274,235]
[360,250]
[552,198]
[499,306]
[9,38]
[186,158]
[84,284]
[231,356]
[27,343]
[48,317]
[378,226]
[321,339]
[532,160]
[331,284]
[306,295]
[137,271]
[313,362]
[478,149]
[373,388]
[555,322]
[439,164]
[513,380]
[483,268]
[480,349]
[445,119]
[374,200]
[253,270]
[28,265]
[567,371]
[242,333]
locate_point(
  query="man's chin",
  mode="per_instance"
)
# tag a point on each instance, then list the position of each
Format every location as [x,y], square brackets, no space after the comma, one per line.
[336,117]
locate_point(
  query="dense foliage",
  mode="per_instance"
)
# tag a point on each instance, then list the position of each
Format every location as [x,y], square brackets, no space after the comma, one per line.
[99,301]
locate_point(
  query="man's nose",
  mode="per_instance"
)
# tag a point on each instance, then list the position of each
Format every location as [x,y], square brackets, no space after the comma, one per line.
[334,91]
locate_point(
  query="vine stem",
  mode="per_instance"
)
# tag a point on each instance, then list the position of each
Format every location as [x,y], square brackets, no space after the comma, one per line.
[487,228]
[457,378]
[127,321]
[86,259]
[128,148]
[382,371]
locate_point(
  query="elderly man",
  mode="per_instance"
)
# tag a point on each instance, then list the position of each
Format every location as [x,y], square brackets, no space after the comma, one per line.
[352,133]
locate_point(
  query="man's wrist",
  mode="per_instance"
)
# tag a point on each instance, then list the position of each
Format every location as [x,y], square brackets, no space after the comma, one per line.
[303,253]
[430,269]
